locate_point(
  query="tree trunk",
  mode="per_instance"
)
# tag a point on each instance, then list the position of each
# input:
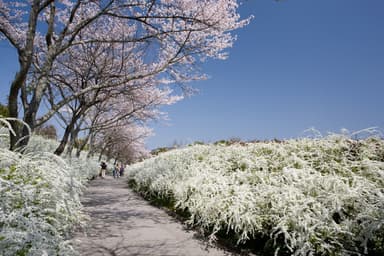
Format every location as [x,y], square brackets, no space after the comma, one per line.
[29,118]
[59,150]
[82,146]
[13,113]
[25,60]
[91,150]
[68,130]
[71,143]
[12,102]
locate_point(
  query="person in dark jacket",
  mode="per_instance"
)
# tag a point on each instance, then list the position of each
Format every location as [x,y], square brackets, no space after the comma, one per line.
[121,170]
[103,166]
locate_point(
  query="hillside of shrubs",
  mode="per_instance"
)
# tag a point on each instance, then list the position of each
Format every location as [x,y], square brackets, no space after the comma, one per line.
[318,196]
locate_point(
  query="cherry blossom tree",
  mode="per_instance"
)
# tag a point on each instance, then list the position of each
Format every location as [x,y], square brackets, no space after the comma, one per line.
[124,143]
[121,98]
[161,41]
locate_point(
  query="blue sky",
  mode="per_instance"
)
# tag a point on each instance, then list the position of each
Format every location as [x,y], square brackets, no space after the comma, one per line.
[299,64]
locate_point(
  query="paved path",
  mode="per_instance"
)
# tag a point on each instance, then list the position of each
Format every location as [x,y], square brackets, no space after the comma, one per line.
[124,224]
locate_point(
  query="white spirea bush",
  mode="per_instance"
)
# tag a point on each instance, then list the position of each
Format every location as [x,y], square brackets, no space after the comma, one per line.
[306,197]
[39,202]
[82,168]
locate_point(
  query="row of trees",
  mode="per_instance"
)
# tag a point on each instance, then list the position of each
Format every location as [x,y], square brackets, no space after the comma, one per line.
[102,68]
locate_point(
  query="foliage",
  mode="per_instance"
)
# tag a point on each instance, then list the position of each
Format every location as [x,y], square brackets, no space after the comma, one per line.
[160,150]
[79,142]
[47,131]
[39,203]
[299,197]
[3,110]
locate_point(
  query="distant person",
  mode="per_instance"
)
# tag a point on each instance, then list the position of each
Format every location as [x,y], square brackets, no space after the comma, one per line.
[103,166]
[121,170]
[116,171]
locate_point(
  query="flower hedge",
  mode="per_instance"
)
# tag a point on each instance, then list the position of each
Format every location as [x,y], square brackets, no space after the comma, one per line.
[296,197]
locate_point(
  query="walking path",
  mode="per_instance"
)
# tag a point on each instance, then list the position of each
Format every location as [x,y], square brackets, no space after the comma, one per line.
[124,224]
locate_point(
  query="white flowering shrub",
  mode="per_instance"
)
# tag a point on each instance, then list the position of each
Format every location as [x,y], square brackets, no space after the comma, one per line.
[39,202]
[299,197]
[82,168]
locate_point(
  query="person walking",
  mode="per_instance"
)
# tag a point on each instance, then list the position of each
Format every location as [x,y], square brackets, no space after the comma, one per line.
[121,170]
[116,171]
[103,166]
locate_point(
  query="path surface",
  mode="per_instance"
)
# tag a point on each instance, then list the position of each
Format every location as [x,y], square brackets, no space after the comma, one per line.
[124,224]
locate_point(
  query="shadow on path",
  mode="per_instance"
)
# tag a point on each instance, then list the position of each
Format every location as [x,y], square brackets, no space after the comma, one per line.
[122,224]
